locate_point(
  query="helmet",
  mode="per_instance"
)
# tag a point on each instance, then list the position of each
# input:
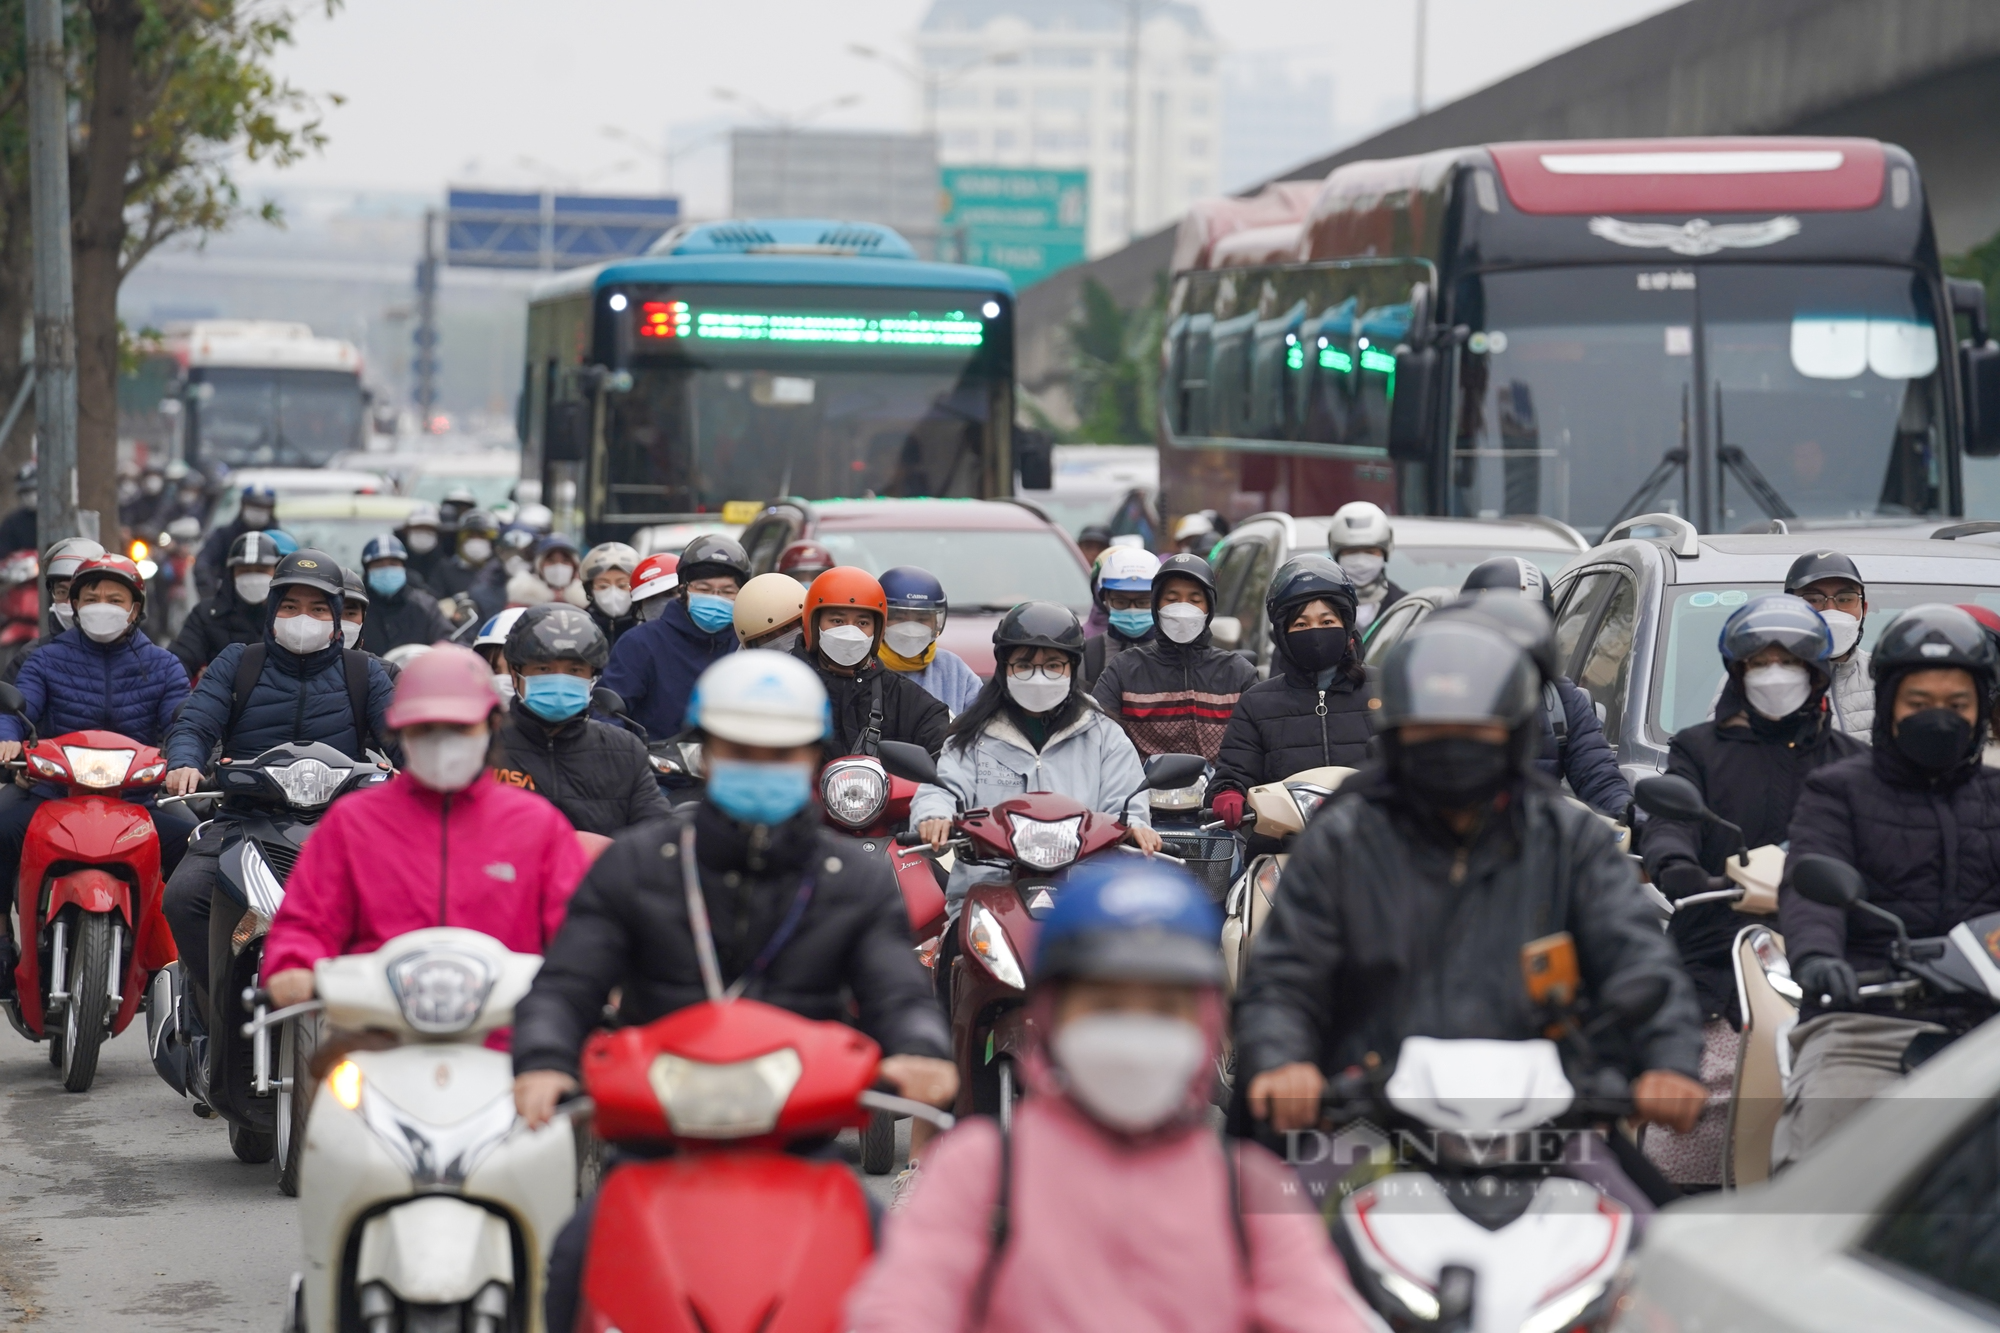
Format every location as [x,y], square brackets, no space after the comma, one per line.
[253,548]
[1457,671]
[447,684]
[1528,624]
[353,588]
[386,546]
[1308,578]
[493,634]
[608,555]
[553,632]
[260,495]
[1359,523]
[1988,619]
[756,697]
[911,589]
[308,568]
[804,557]
[108,567]
[1513,574]
[478,520]
[1816,565]
[536,517]
[282,541]
[519,541]
[423,514]
[1040,625]
[1776,618]
[1185,566]
[1934,635]
[1126,569]
[655,575]
[556,541]
[712,555]
[768,602]
[457,501]
[1129,919]
[1194,525]
[62,558]
[1095,532]
[844,585]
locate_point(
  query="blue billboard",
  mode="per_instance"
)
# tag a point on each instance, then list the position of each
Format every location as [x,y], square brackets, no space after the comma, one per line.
[545,230]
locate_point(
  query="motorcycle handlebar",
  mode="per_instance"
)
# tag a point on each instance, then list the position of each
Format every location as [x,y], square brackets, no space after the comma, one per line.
[891,1104]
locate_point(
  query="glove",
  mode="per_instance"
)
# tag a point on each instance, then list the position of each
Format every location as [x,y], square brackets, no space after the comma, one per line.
[1819,975]
[1229,805]
[1678,879]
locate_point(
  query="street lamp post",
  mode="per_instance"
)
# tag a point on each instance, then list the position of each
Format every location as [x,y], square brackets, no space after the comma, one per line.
[55,297]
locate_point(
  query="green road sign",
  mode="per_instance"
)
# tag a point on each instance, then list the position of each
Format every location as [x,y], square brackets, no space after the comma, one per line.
[1023,220]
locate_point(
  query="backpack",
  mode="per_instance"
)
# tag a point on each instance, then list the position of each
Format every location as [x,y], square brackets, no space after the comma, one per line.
[251,665]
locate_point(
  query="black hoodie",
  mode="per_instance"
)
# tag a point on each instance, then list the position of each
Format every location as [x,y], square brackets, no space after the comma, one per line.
[1288,723]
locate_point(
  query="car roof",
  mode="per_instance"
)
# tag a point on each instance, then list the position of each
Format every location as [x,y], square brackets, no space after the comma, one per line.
[886,515]
[306,479]
[1765,558]
[330,505]
[1519,534]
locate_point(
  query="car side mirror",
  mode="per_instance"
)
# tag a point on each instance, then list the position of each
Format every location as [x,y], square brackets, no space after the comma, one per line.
[1826,881]
[1167,771]
[912,763]
[1227,633]
[12,700]
[1670,797]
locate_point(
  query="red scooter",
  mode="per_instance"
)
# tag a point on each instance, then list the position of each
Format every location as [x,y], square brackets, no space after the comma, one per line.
[88,900]
[1037,838]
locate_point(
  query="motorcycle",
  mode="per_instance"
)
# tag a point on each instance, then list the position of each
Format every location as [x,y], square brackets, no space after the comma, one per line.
[676,762]
[1279,812]
[268,807]
[89,897]
[1031,841]
[1210,856]
[425,1202]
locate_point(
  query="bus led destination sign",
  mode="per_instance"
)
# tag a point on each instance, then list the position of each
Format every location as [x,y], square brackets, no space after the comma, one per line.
[660,321]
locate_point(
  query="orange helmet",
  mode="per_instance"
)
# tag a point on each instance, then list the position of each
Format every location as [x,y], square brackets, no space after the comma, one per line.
[844,585]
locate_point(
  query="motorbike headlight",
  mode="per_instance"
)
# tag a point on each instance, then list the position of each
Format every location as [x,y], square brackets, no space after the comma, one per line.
[344,1082]
[97,768]
[990,946]
[854,791]
[308,783]
[1047,844]
[1308,798]
[732,1101]
[440,991]
[1181,798]
[1563,1312]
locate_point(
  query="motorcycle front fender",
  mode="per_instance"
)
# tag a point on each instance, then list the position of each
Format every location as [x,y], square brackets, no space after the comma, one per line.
[435,1250]
[90,891]
[163,1029]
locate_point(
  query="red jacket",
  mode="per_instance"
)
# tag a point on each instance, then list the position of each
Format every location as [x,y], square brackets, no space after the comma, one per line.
[399,857]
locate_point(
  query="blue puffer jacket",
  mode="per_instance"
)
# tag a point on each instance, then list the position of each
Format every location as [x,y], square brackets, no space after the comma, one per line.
[654,666]
[73,683]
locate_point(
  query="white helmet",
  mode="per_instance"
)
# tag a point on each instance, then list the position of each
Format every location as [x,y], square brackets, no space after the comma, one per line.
[1126,569]
[1194,525]
[1359,523]
[493,634]
[606,555]
[536,518]
[755,697]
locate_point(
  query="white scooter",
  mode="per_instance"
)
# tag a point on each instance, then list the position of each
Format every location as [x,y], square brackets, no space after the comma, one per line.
[424,1201]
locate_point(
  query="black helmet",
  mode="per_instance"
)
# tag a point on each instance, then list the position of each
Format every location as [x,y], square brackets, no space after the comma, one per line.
[1816,565]
[1457,671]
[1185,566]
[1040,625]
[478,520]
[253,548]
[553,631]
[1095,532]
[713,554]
[1512,573]
[310,568]
[1781,619]
[352,587]
[1527,624]
[1934,635]
[1308,578]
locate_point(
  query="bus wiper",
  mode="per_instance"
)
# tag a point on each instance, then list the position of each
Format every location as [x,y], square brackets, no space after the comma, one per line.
[1673,460]
[1733,459]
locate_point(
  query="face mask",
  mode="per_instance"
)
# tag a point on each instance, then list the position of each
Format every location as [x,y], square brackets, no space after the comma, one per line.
[613,602]
[350,634]
[1846,630]
[558,576]
[1777,690]
[421,540]
[845,645]
[1132,624]
[503,685]
[709,612]
[1453,773]
[1039,693]
[476,550]
[783,641]
[650,608]
[553,698]
[755,793]
[302,634]
[445,761]
[64,613]
[908,638]
[1130,1072]
[253,588]
[103,621]
[153,485]
[515,564]
[1317,649]
[1364,567]
[256,518]
[1936,740]
[1182,622]
[388,580]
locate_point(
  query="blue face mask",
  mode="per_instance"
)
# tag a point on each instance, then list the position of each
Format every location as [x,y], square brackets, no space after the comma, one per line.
[759,793]
[554,698]
[387,581]
[709,612]
[1132,624]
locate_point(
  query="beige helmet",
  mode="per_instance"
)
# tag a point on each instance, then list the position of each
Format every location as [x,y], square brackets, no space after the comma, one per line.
[768,603]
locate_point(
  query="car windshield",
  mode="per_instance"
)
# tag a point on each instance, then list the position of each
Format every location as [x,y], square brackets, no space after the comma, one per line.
[1414,567]
[487,489]
[979,570]
[1689,672]
[275,418]
[341,538]
[1728,393]
[1073,511]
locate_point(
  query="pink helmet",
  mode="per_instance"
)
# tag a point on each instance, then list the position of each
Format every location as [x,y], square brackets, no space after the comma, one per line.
[447,684]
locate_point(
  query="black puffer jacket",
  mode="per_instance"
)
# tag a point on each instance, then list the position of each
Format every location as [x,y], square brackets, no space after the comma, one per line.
[596,774]
[1387,925]
[909,711]
[627,928]
[1287,724]
[411,616]
[1174,698]
[215,624]
[1583,757]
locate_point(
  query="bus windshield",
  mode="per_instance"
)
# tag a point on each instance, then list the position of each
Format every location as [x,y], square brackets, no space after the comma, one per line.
[1730,394]
[275,418]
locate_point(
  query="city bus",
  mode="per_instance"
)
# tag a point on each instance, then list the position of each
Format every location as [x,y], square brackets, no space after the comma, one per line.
[1742,332]
[256,393]
[743,360]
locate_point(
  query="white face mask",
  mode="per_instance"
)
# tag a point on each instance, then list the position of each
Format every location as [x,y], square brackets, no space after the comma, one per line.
[445,761]
[1038,693]
[64,613]
[908,638]
[1846,630]
[1131,1072]
[515,564]
[503,685]
[103,621]
[1182,622]
[256,517]
[1777,690]
[350,634]
[302,634]
[1364,567]
[476,550]
[558,576]
[421,541]
[614,602]
[253,588]
[845,645]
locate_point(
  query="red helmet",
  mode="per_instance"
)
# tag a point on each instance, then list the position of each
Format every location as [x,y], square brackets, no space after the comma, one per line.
[844,585]
[805,557]
[654,576]
[447,684]
[116,567]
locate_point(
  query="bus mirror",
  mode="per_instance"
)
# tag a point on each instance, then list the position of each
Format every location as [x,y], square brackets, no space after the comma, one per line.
[1410,407]
[566,434]
[1980,374]
[1034,457]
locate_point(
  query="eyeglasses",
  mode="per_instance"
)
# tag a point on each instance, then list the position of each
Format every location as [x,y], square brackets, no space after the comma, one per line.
[1049,670]
[1849,602]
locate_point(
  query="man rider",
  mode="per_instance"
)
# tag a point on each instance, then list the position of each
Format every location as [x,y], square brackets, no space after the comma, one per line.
[769,611]
[844,614]
[399,611]
[1360,538]
[597,774]
[234,613]
[1919,817]
[1094,541]
[1175,694]
[59,564]
[1408,898]
[654,668]
[472,552]
[259,506]
[419,535]
[1830,584]
[1124,591]
[799,918]
[606,574]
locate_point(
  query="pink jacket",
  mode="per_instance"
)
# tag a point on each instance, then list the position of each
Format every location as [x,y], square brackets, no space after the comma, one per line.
[386,860]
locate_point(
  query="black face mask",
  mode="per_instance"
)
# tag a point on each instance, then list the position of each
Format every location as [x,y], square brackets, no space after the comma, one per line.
[1454,772]
[1937,739]
[1317,649]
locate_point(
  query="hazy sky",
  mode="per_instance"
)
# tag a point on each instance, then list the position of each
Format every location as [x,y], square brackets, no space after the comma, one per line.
[519,91]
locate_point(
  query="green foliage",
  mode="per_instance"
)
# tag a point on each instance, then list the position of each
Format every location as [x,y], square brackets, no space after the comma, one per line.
[1115,371]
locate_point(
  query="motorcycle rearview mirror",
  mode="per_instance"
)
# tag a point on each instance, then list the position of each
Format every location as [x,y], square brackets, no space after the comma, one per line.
[12,700]
[1167,771]
[1826,881]
[910,762]
[608,702]
[1634,999]
[1670,797]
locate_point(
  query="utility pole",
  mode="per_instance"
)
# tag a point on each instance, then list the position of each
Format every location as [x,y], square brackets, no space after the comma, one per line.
[56,514]
[426,336]
[1132,118]
[1417,95]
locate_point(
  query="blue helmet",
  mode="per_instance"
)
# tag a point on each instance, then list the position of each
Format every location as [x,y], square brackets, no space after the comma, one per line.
[557,541]
[913,589]
[284,541]
[383,546]
[263,495]
[1122,918]
[1776,618]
